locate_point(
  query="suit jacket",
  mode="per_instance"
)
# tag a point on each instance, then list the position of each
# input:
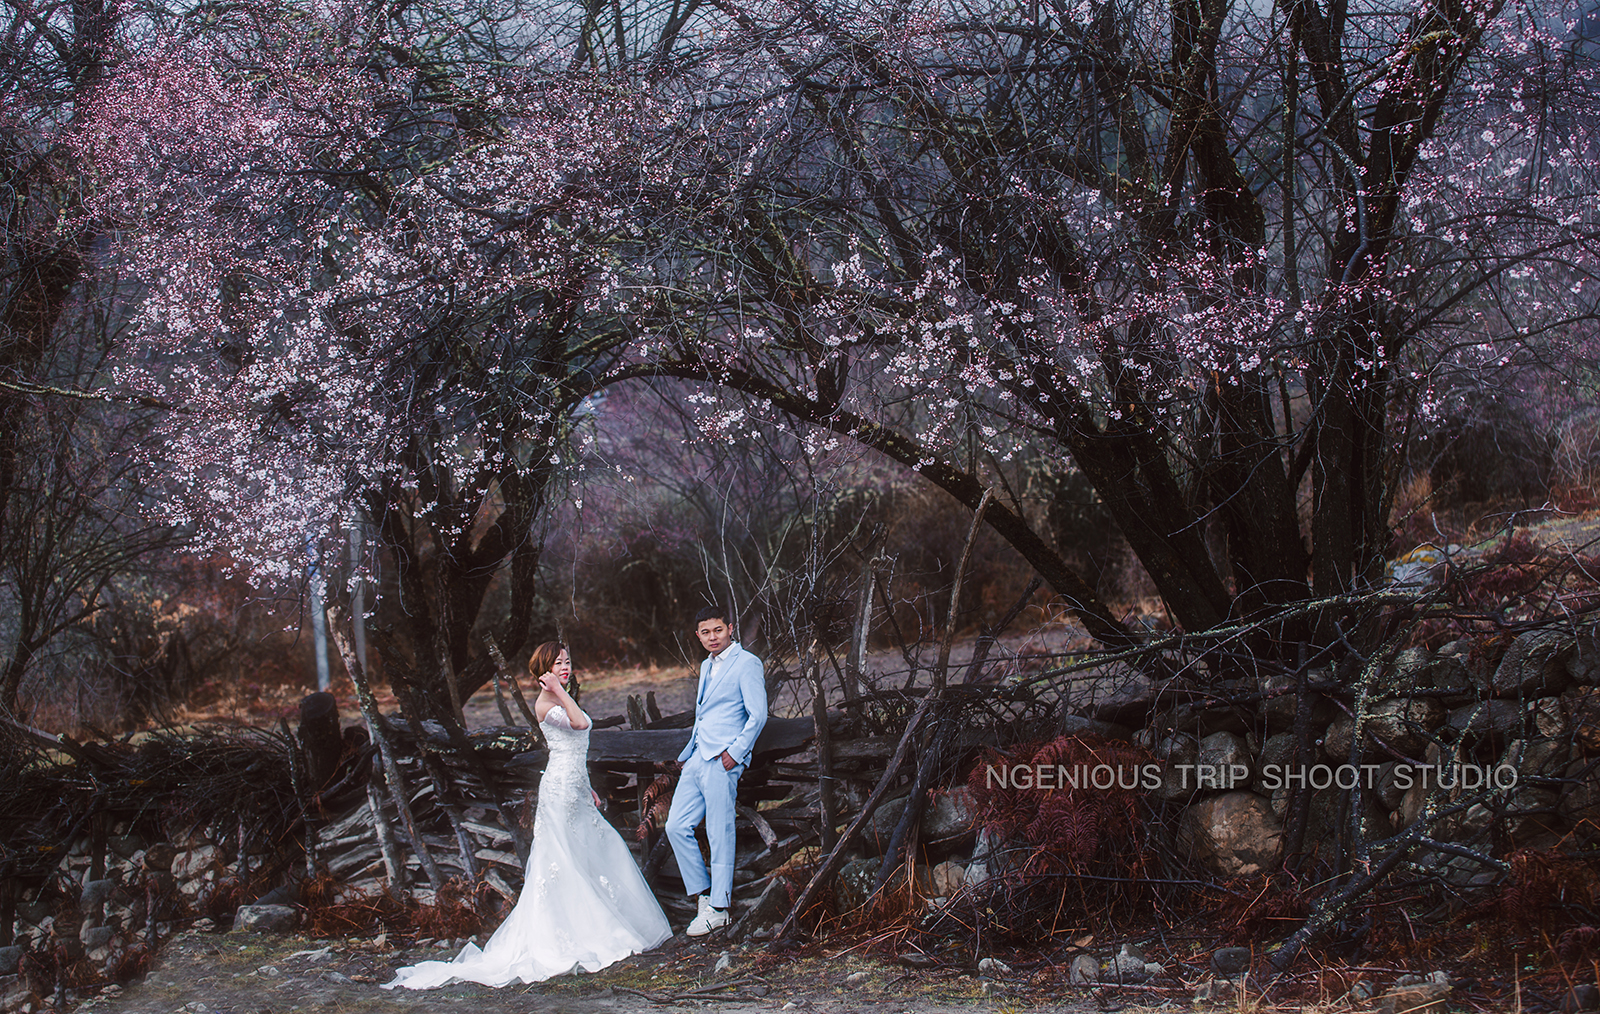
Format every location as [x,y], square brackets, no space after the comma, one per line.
[729,709]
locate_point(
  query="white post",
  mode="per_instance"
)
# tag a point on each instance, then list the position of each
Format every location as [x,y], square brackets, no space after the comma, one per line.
[358,591]
[319,621]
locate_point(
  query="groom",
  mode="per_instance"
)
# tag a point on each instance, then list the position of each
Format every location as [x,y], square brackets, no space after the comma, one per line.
[729,711]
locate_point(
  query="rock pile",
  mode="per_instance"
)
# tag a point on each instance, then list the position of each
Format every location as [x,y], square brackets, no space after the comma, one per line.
[1476,753]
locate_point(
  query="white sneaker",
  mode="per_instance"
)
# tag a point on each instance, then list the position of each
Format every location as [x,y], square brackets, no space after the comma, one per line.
[708,920]
[703,903]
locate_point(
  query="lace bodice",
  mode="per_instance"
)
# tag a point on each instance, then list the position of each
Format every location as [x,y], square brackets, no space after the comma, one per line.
[564,789]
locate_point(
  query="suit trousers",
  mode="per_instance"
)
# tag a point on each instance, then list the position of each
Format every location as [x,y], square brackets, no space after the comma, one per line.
[706,791]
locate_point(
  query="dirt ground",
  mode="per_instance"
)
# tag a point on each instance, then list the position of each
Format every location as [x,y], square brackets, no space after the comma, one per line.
[242,973]
[605,693]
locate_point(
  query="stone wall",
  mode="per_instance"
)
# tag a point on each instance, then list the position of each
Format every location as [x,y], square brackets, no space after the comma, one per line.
[1488,755]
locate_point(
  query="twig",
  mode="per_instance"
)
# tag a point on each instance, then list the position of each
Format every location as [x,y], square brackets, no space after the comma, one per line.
[500,700]
[392,864]
[1328,909]
[955,592]
[986,641]
[1232,631]
[703,993]
[836,857]
[826,811]
[652,997]
[855,664]
[735,998]
[863,943]
[657,998]
[913,812]
[746,981]
[910,817]
[464,843]
[511,677]
[297,780]
[391,769]
[63,742]
[81,395]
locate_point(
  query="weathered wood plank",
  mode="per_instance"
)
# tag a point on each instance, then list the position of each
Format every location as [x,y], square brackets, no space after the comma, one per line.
[498,884]
[491,834]
[865,748]
[768,836]
[350,862]
[499,858]
[629,749]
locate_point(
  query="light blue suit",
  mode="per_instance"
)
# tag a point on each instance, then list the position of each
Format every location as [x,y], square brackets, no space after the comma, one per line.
[730,710]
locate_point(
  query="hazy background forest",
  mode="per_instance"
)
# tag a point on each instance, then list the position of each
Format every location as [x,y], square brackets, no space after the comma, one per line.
[524,318]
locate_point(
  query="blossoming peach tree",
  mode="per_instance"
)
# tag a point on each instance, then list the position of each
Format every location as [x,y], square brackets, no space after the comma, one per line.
[1222,257]
[1216,257]
[369,253]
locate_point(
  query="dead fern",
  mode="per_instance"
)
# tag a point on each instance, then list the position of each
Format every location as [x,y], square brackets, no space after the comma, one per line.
[1546,892]
[1520,571]
[1265,912]
[460,908]
[1070,851]
[329,909]
[654,804]
[1579,943]
[1067,828]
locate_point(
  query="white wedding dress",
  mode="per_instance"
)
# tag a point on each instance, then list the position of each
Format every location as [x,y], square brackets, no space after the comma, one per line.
[584,904]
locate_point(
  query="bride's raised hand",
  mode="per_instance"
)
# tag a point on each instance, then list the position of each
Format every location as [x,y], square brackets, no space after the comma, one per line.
[550,682]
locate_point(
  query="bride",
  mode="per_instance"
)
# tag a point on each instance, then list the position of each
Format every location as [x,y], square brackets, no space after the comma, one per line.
[584,903]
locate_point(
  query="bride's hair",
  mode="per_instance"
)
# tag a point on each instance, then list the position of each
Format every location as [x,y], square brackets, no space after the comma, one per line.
[544,657]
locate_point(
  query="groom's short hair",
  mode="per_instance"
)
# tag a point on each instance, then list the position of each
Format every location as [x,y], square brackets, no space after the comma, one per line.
[712,613]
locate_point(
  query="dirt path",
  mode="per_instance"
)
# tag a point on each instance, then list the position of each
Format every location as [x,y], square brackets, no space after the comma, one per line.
[237,973]
[1574,533]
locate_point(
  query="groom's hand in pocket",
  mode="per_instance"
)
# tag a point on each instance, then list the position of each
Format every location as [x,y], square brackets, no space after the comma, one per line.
[728,763]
